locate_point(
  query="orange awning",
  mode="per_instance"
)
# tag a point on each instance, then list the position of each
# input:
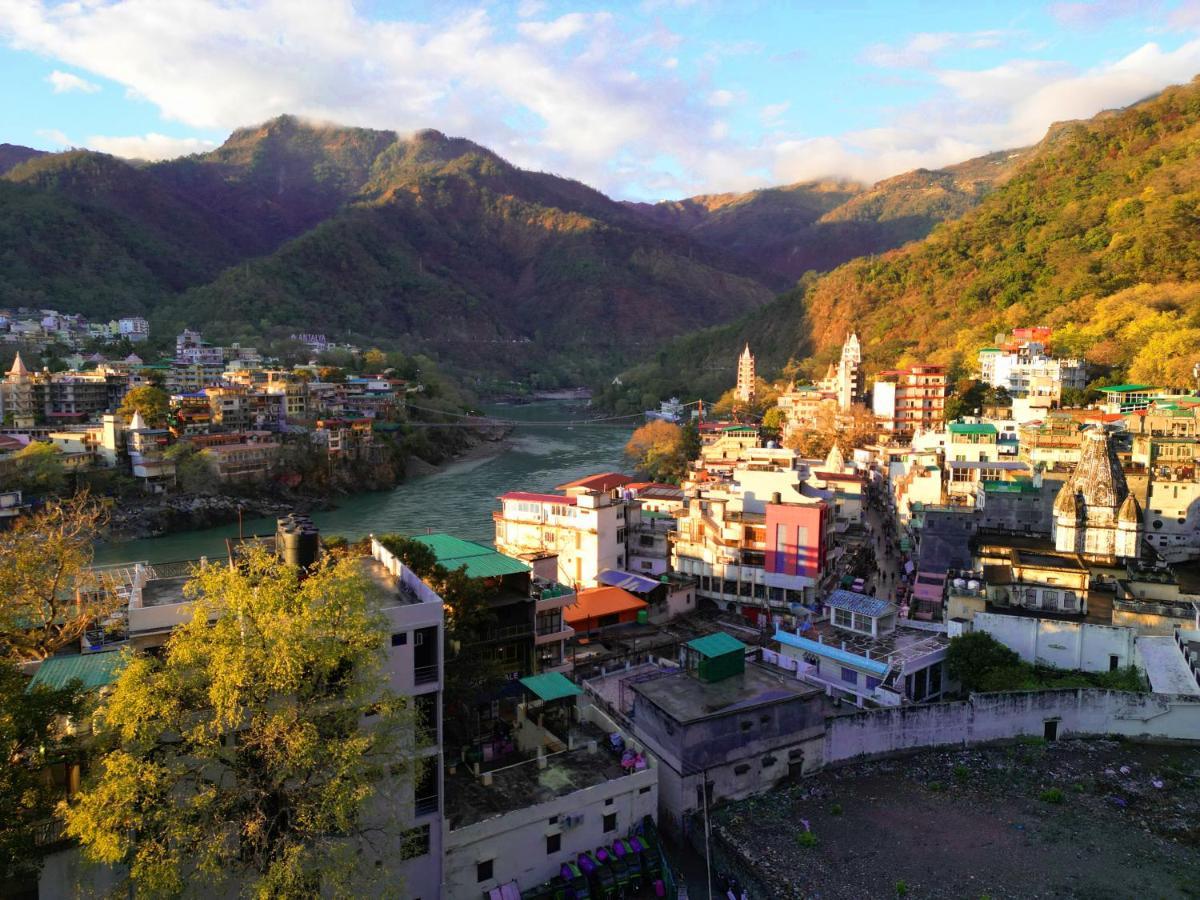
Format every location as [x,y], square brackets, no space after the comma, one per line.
[595,603]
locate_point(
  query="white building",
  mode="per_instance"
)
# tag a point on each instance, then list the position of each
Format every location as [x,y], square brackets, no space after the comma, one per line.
[584,527]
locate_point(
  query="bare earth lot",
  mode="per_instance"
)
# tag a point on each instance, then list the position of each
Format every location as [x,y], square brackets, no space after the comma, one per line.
[978,823]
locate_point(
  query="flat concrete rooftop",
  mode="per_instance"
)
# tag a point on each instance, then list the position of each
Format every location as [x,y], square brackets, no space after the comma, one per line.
[900,647]
[688,699]
[520,783]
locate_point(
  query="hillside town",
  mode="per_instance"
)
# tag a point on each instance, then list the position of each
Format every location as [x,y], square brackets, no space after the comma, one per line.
[659,650]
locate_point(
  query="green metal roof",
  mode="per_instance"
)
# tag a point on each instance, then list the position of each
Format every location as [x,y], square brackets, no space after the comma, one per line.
[717,644]
[481,561]
[964,428]
[551,686]
[1126,388]
[95,670]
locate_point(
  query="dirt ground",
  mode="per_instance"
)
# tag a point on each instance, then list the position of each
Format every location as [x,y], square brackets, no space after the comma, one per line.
[1080,819]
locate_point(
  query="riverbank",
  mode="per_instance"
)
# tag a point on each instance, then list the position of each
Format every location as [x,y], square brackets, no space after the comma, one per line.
[150,516]
[457,496]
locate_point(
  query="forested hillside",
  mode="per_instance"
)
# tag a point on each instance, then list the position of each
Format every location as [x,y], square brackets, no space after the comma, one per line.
[1097,233]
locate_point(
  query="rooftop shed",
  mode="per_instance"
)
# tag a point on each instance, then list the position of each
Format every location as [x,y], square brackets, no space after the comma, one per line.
[715,657]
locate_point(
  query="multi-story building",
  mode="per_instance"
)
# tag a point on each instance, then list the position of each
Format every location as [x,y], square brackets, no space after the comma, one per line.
[585,527]
[758,556]
[240,456]
[134,329]
[910,400]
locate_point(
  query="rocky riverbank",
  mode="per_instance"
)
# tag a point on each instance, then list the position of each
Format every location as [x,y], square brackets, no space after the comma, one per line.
[156,516]
[147,516]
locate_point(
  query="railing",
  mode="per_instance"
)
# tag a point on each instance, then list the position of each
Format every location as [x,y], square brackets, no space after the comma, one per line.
[505,633]
[425,805]
[1150,606]
[425,674]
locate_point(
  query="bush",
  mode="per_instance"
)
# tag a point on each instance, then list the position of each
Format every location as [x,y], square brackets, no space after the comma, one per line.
[806,839]
[1052,795]
[901,888]
[836,809]
[971,658]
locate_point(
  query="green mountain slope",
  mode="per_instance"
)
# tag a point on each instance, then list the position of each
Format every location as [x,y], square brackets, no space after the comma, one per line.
[13,155]
[819,225]
[448,248]
[1096,233]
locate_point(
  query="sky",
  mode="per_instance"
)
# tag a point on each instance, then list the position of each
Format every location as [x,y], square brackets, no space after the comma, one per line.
[644,99]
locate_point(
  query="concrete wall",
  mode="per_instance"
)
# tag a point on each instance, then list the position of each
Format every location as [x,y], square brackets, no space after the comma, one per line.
[516,841]
[989,717]
[1064,645]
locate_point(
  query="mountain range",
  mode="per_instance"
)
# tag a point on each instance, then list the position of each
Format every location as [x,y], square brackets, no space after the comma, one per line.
[1095,231]
[429,243]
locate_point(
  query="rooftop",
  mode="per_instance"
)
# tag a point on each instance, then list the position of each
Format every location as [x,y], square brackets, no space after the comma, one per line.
[525,784]
[480,561]
[890,651]
[94,670]
[717,644]
[535,497]
[1126,388]
[604,481]
[687,699]
[967,428]
[864,604]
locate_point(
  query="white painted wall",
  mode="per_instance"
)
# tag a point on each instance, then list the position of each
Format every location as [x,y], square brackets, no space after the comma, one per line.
[1064,645]
[516,841]
[990,717]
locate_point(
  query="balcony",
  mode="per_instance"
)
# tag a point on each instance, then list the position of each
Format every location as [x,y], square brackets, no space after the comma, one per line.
[553,634]
[425,674]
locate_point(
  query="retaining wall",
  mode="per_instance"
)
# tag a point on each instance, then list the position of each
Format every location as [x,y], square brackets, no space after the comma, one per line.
[990,717]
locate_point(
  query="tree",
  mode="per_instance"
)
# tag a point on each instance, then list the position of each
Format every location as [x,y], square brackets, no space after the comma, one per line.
[38,470]
[851,429]
[152,402]
[774,419]
[193,471]
[971,658]
[262,750]
[31,737]
[657,449]
[49,595]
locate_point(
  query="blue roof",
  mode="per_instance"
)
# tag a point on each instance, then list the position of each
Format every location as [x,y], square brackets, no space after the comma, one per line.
[837,654]
[863,604]
[628,581]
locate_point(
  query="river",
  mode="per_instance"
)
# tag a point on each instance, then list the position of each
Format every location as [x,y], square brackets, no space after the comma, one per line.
[458,499]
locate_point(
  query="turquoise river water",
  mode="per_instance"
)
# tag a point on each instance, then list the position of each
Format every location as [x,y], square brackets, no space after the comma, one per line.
[458,498]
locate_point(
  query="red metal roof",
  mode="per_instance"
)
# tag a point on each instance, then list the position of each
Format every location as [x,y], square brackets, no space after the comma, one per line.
[538,498]
[605,481]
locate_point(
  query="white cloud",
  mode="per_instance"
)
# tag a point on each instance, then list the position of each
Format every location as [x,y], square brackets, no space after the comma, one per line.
[773,112]
[1087,14]
[150,146]
[578,94]
[921,49]
[527,9]
[54,136]
[564,27]
[1004,107]
[64,82]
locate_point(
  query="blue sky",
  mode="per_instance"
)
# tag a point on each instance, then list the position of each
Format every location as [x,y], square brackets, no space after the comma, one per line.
[644,99]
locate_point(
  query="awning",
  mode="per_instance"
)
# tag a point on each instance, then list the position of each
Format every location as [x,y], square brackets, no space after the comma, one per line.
[628,581]
[595,603]
[551,686]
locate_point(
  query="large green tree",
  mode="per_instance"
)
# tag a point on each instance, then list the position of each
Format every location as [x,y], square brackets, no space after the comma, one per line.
[38,470]
[971,658]
[261,751]
[32,737]
[49,594]
[152,402]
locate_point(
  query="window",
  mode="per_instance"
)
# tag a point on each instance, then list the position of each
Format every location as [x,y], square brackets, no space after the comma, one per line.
[850,676]
[609,802]
[741,770]
[610,822]
[768,761]
[399,640]
[644,790]
[483,870]
[553,843]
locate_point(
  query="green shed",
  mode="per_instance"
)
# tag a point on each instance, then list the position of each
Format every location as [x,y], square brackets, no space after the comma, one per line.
[715,657]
